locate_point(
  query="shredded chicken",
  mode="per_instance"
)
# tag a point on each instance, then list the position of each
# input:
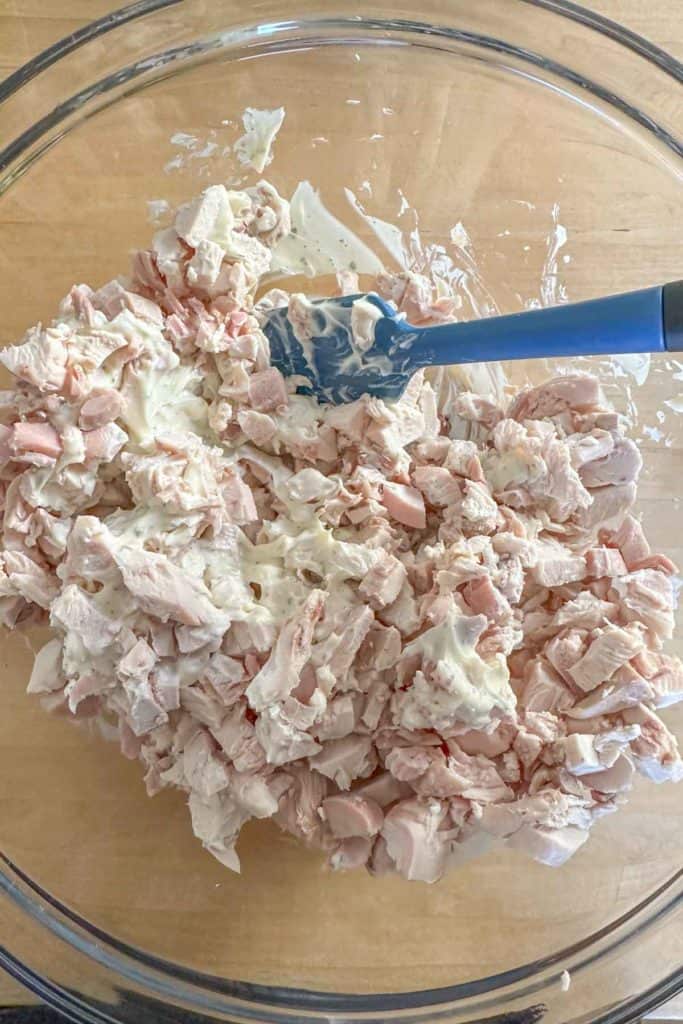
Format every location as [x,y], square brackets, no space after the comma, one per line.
[392,628]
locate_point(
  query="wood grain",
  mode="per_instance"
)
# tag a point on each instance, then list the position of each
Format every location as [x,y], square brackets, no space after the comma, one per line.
[28,26]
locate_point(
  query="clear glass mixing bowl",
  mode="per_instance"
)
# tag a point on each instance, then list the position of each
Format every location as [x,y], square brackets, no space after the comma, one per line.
[505,115]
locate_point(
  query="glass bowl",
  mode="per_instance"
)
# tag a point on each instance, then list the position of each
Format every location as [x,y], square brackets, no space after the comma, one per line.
[514,118]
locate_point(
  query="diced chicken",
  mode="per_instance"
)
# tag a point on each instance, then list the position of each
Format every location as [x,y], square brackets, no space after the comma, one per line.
[402,613]
[565,493]
[79,301]
[608,507]
[32,581]
[557,571]
[586,611]
[256,794]
[605,562]
[608,651]
[631,542]
[338,653]
[139,661]
[165,685]
[612,697]
[233,732]
[405,505]
[100,409]
[199,218]
[300,805]
[485,599]
[46,674]
[216,821]
[258,426]
[350,853]
[659,561]
[89,553]
[462,458]
[40,360]
[163,589]
[204,773]
[82,693]
[282,741]
[580,754]
[280,674]
[145,713]
[380,863]
[655,750]
[438,485]
[545,689]
[78,613]
[35,437]
[565,651]
[413,840]
[473,777]
[615,779]
[578,392]
[590,446]
[667,684]
[549,846]
[408,763]
[113,298]
[309,485]
[267,391]
[350,815]
[477,409]
[546,808]
[338,719]
[646,596]
[478,507]
[204,267]
[383,583]
[105,442]
[488,744]
[381,648]
[621,465]
[239,500]
[346,759]
[383,789]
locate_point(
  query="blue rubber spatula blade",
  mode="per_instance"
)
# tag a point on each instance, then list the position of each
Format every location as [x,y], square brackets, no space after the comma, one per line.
[337,367]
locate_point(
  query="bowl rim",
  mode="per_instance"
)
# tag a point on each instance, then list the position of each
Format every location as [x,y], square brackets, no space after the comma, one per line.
[276,1003]
[139,8]
[13,150]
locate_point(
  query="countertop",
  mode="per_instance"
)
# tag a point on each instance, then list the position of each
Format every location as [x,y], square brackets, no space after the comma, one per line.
[29,26]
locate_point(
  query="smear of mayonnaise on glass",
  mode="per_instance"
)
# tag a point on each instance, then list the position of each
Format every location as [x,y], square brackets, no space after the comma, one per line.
[254,148]
[319,243]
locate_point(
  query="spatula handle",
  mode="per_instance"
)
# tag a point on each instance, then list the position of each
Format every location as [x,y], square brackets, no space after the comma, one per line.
[650,320]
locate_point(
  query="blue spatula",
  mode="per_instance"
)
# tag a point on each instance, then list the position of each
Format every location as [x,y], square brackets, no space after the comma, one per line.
[340,367]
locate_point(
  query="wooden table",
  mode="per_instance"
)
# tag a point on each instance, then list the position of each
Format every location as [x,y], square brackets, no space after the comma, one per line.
[28,26]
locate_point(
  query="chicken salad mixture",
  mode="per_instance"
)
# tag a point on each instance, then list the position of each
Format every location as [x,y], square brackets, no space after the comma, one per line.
[401,630]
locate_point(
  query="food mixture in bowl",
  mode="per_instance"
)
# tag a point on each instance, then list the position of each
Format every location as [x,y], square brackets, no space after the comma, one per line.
[402,630]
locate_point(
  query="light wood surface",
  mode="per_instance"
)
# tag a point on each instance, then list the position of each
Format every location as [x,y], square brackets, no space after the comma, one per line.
[28,26]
